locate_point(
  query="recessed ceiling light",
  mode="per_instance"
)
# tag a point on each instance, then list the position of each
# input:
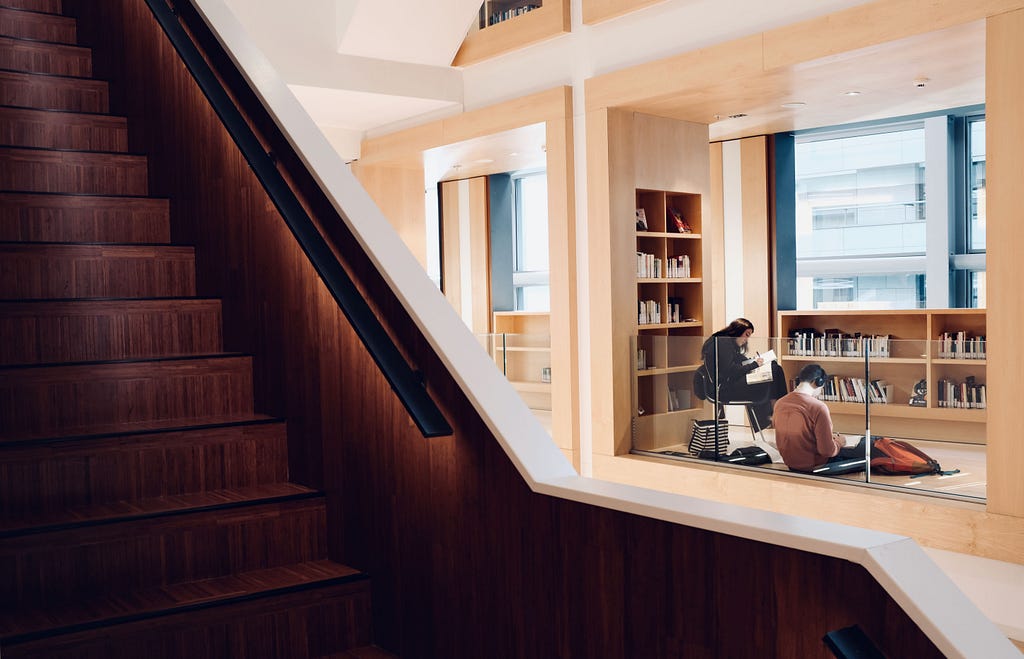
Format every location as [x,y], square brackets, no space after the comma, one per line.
[514,154]
[483,161]
[852,93]
[793,105]
[738,115]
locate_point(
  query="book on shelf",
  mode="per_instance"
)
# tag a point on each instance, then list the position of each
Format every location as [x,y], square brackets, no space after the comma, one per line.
[676,222]
[641,359]
[649,312]
[809,342]
[641,219]
[675,309]
[678,399]
[961,345]
[968,394]
[679,266]
[648,266]
[840,389]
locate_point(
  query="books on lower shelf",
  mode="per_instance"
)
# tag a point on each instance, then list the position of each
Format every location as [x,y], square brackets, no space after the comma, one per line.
[961,345]
[649,312]
[854,390]
[648,266]
[964,395]
[809,342]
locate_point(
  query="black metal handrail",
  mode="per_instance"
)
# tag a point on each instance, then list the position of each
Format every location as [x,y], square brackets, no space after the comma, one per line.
[406,384]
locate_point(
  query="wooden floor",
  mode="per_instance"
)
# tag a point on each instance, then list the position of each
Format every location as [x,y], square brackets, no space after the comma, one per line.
[968,458]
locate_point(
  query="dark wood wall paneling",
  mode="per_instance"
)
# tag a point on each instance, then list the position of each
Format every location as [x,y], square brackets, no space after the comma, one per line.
[465,560]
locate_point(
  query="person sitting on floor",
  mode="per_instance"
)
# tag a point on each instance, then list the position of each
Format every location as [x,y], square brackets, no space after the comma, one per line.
[803,426]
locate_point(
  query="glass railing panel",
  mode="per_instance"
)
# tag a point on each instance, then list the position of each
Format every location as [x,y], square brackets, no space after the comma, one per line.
[935,412]
[704,399]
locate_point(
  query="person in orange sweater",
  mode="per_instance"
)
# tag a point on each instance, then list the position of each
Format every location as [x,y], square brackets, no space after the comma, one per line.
[803,426]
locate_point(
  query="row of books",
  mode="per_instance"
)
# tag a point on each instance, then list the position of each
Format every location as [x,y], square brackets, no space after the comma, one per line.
[856,390]
[649,311]
[961,345]
[649,266]
[966,395]
[500,16]
[808,342]
[641,359]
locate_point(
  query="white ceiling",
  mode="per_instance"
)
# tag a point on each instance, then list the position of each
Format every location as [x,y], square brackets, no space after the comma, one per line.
[369,67]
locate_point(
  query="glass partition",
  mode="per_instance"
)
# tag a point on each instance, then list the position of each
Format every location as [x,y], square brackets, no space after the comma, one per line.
[731,400]
[525,359]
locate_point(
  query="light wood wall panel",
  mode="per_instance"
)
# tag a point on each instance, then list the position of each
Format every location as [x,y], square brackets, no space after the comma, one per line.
[757,299]
[549,20]
[451,245]
[871,24]
[595,11]
[714,266]
[1005,172]
[465,250]
[610,208]
[399,193]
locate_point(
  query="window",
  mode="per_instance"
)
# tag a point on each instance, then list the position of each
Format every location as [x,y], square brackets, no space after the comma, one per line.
[860,219]
[530,270]
[868,234]
[976,174]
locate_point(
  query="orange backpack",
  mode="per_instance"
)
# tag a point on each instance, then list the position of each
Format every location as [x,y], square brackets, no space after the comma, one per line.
[892,456]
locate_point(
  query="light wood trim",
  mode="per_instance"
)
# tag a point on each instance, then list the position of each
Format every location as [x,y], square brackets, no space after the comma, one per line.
[943,524]
[451,241]
[871,24]
[399,193]
[610,198]
[564,323]
[545,22]
[1005,234]
[757,296]
[595,11]
[714,244]
[480,253]
[407,146]
[668,77]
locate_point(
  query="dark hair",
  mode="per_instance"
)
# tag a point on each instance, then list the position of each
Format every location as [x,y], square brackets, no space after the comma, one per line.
[736,328]
[813,374]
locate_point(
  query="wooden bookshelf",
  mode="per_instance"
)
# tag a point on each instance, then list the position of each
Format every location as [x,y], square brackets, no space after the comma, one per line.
[522,349]
[548,20]
[913,356]
[664,389]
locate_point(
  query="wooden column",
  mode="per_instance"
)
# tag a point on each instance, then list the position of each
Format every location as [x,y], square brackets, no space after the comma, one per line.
[1004,91]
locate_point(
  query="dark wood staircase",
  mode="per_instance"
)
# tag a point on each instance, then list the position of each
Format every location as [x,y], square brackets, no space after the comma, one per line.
[145,506]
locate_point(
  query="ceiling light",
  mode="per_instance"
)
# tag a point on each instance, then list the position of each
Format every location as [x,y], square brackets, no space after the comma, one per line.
[793,105]
[514,154]
[852,93]
[483,161]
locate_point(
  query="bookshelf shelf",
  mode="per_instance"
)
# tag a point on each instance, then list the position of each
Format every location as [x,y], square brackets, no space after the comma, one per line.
[671,340]
[914,342]
[531,387]
[688,368]
[857,360]
[666,234]
[523,348]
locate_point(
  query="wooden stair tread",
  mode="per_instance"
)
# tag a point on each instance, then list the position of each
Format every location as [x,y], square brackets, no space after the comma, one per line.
[22,625]
[48,27]
[119,329]
[32,56]
[123,510]
[45,217]
[34,6]
[57,129]
[40,91]
[139,427]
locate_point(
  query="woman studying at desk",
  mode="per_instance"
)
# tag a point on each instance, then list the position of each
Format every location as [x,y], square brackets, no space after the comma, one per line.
[727,363]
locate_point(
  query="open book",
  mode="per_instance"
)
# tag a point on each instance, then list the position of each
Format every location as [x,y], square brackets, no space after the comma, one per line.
[762,373]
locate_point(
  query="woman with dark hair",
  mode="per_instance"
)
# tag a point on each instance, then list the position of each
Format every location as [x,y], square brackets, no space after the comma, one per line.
[727,364]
